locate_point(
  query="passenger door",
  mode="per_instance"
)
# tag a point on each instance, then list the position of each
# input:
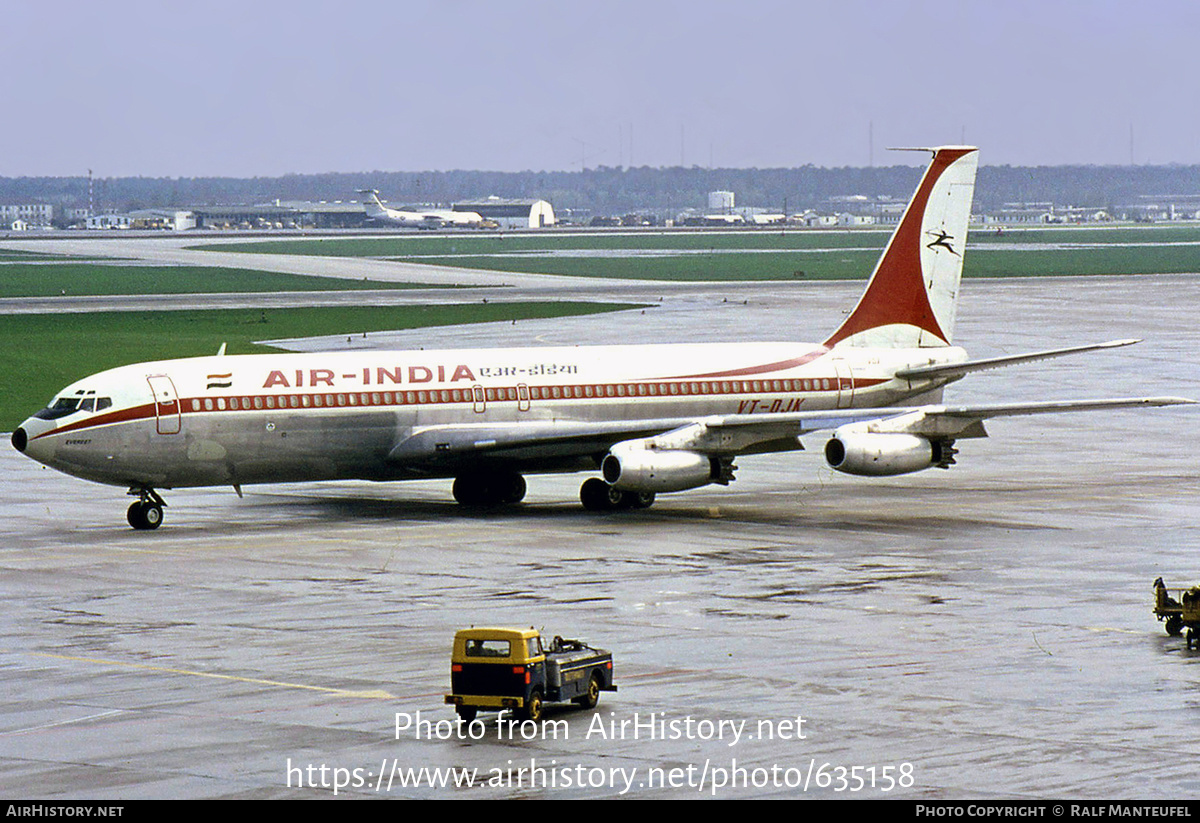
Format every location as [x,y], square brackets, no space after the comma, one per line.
[166,404]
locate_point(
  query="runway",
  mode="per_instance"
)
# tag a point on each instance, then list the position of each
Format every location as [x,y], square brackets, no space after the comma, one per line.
[980,632]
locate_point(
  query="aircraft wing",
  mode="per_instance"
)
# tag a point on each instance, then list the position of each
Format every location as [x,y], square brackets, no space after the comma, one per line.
[935,420]
[757,433]
[715,435]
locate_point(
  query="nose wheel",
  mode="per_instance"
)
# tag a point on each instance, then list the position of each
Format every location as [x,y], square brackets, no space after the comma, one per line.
[147,512]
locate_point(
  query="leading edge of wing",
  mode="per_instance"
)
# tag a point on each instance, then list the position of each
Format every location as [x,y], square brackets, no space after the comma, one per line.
[814,420]
[939,421]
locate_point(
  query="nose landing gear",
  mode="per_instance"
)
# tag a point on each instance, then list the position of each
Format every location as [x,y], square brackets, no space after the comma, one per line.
[147,512]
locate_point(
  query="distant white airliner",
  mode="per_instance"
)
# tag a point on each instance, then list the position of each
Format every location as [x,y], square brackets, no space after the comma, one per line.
[424,219]
[647,419]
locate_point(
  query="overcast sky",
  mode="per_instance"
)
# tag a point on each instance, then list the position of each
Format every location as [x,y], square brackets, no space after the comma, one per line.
[216,88]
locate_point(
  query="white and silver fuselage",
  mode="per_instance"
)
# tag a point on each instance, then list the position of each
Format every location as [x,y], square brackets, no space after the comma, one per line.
[320,416]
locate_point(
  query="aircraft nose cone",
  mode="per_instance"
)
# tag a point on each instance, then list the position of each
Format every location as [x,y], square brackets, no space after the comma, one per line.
[28,440]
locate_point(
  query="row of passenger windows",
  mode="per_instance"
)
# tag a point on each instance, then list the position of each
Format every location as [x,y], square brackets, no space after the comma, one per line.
[674,389]
[534,393]
[297,401]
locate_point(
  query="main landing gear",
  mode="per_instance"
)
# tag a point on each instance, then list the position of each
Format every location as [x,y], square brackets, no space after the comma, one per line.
[504,488]
[483,489]
[598,496]
[147,512]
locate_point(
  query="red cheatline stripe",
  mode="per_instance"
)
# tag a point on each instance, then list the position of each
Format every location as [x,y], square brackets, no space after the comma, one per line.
[507,394]
[108,418]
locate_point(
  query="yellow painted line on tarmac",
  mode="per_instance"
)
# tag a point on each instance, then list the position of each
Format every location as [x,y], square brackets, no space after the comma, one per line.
[371,694]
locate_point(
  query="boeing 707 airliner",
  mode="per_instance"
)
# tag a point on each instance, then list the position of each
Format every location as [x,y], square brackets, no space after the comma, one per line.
[643,419]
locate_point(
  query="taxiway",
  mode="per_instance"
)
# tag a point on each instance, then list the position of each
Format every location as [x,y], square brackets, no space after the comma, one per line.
[984,631]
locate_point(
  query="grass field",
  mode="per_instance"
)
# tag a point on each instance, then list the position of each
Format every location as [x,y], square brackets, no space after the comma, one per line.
[769,255]
[24,279]
[494,243]
[46,352]
[7,255]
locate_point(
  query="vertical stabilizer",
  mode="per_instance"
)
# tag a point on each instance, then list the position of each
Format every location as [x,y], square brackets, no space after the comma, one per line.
[371,204]
[912,295]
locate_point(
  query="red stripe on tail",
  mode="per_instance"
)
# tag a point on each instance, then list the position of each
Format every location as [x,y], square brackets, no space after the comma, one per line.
[896,292]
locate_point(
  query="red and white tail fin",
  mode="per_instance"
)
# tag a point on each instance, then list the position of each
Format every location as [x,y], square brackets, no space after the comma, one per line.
[911,298]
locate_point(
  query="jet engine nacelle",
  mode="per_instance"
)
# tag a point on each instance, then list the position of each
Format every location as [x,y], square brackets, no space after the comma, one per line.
[883,454]
[631,467]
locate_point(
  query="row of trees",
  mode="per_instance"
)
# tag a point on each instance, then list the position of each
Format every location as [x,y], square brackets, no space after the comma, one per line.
[606,190]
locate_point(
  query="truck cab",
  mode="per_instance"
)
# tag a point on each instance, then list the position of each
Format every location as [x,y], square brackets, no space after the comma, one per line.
[494,669]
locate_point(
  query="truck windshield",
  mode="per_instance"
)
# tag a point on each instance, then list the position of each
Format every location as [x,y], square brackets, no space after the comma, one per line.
[488,648]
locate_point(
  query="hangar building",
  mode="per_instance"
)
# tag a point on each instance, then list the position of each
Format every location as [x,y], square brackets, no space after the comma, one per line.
[511,214]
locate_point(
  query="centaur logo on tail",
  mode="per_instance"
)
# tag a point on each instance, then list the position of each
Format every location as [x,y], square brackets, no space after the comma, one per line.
[647,419]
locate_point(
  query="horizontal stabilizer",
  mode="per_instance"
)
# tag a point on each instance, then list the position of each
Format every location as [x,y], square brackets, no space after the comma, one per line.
[1055,406]
[954,370]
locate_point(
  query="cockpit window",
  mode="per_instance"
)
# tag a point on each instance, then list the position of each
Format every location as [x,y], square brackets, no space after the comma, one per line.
[69,405]
[59,408]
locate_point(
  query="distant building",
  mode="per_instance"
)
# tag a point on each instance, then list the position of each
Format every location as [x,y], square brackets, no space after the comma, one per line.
[340,214]
[29,215]
[144,220]
[765,218]
[1159,207]
[509,213]
[711,220]
[76,216]
[108,221]
[1015,213]
[162,219]
[815,220]
[720,202]
[880,209]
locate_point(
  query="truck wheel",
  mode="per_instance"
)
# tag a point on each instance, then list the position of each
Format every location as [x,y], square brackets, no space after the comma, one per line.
[467,713]
[1174,625]
[532,710]
[591,697]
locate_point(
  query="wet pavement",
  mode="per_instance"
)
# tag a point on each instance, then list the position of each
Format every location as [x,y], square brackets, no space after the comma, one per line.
[980,632]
